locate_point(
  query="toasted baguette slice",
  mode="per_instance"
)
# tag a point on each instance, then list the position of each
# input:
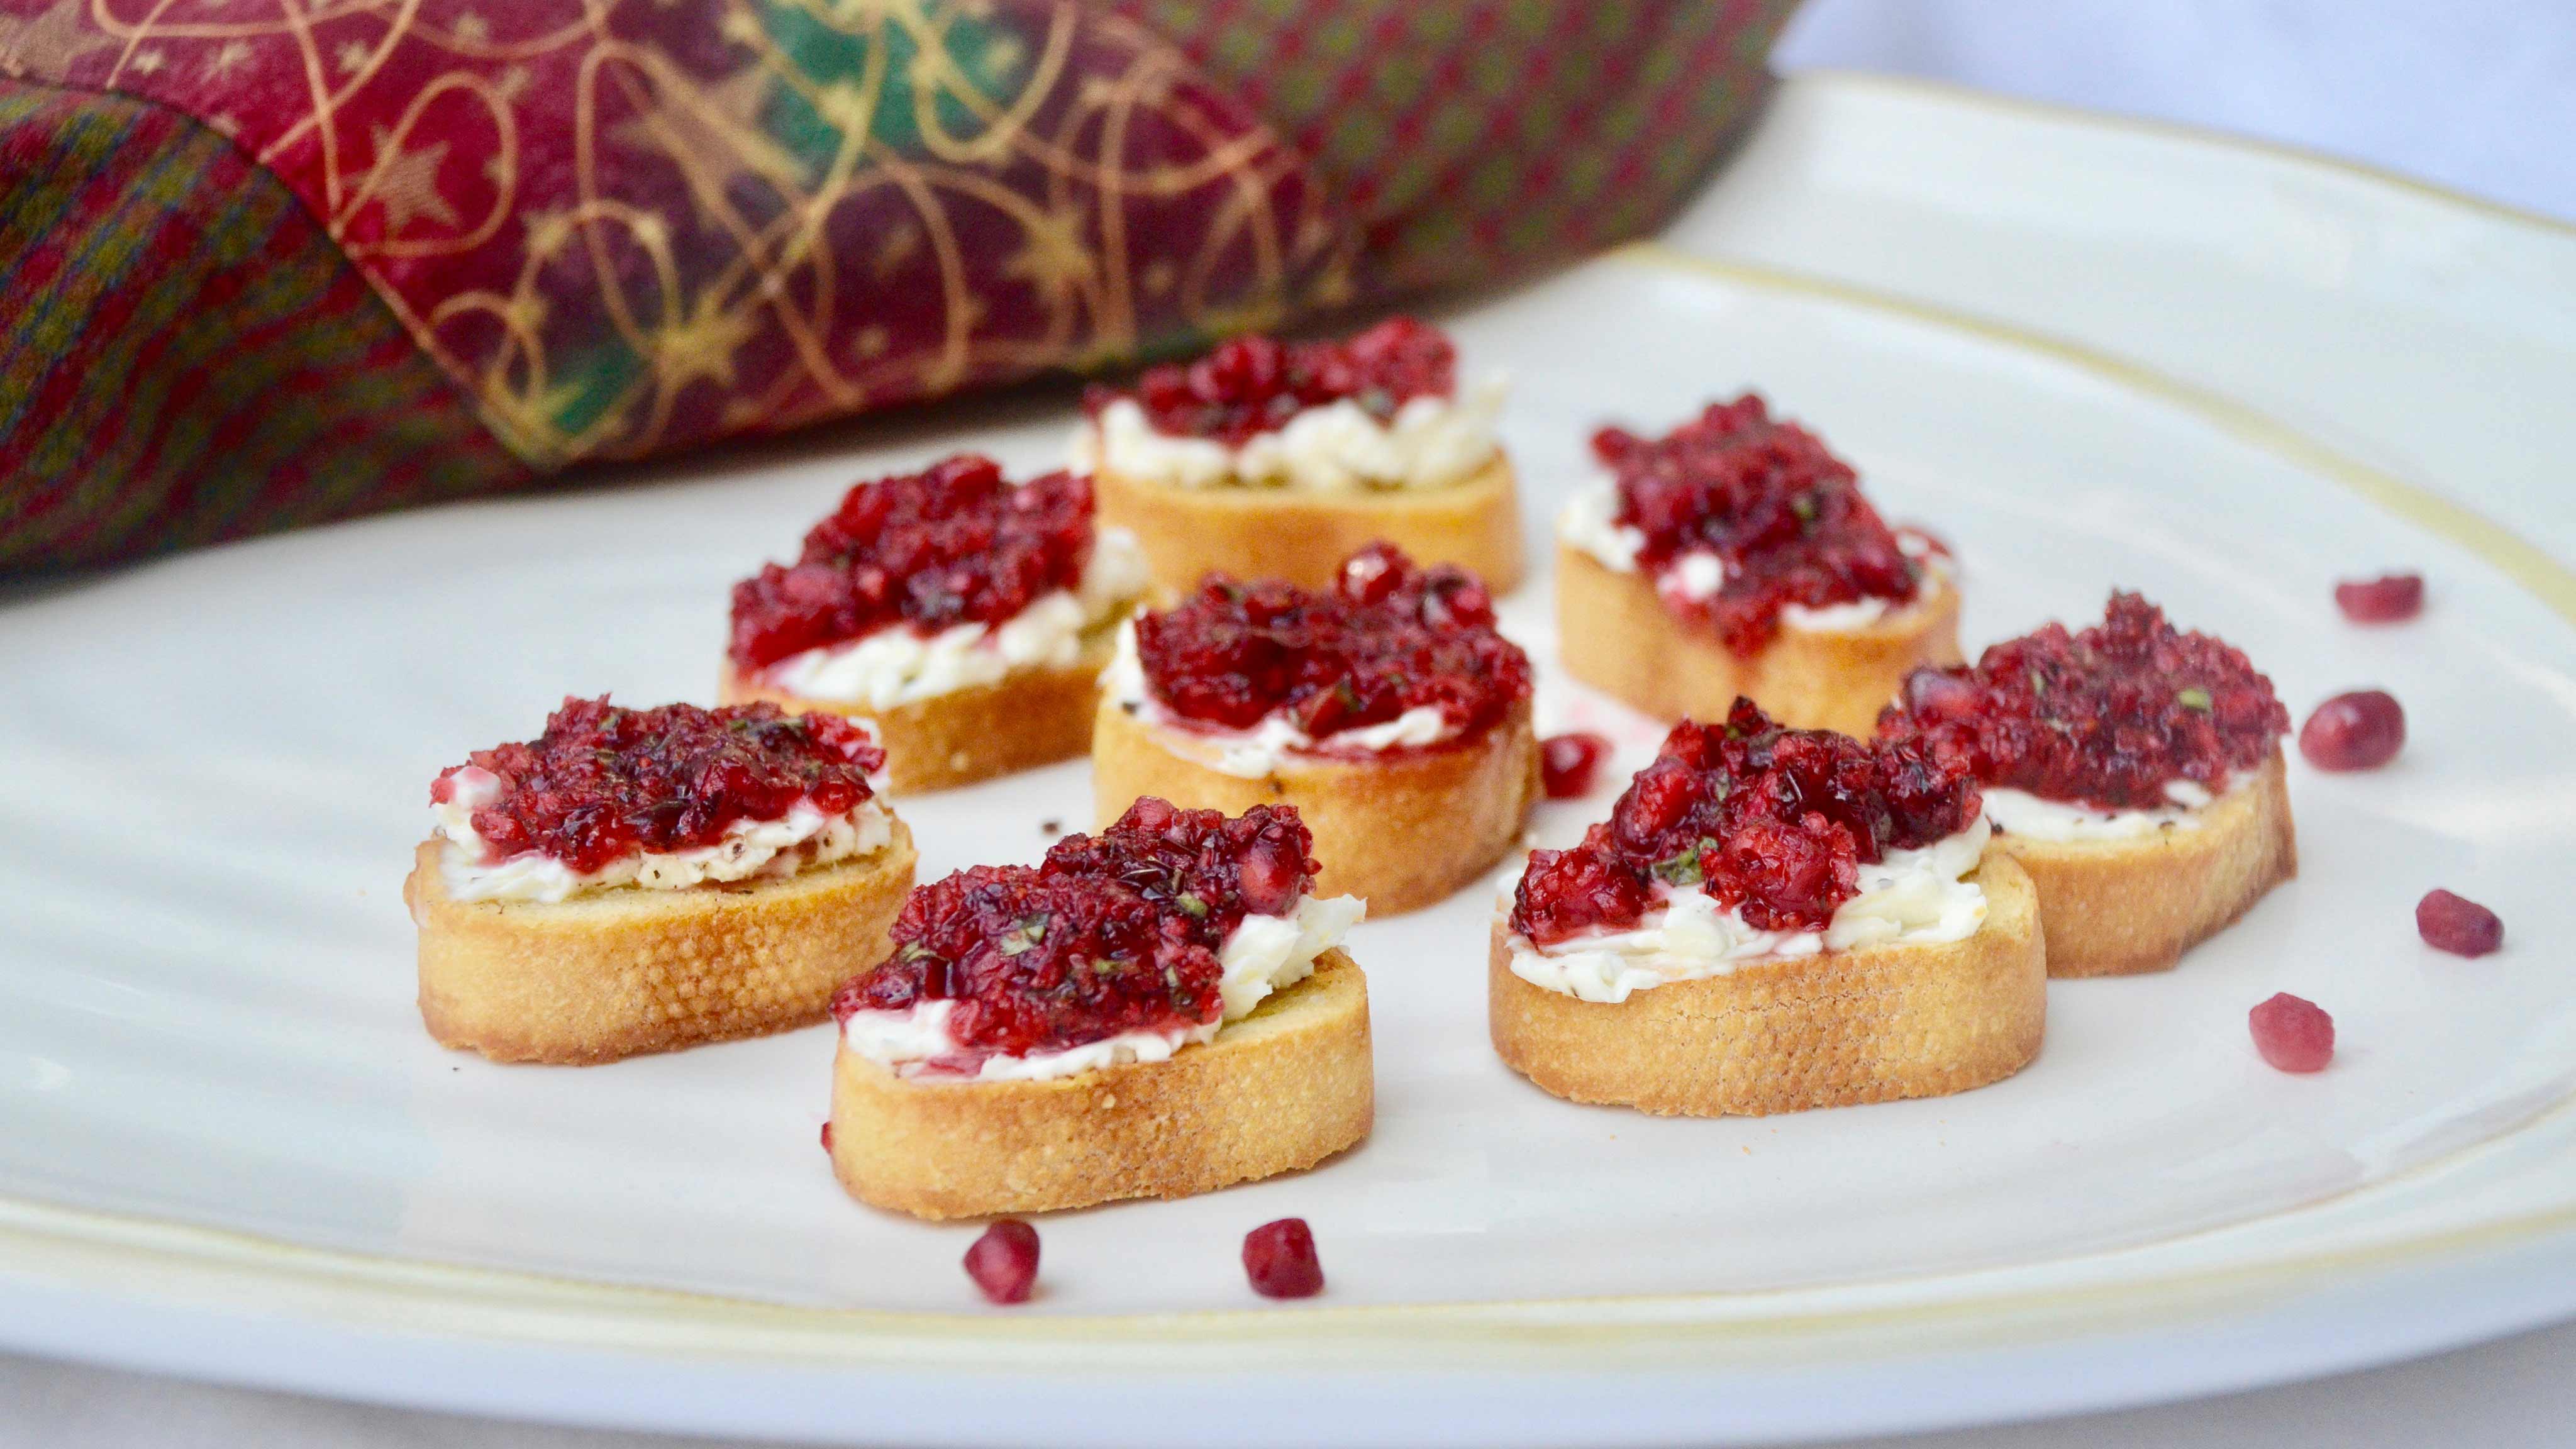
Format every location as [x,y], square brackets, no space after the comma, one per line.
[1830,1030]
[1616,635]
[1402,831]
[619,973]
[1278,1091]
[1029,718]
[2121,907]
[1303,536]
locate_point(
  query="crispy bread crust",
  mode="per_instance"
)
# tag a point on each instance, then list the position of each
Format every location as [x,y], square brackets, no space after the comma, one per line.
[1831,1030]
[1278,1091]
[1303,536]
[2121,907]
[1026,719]
[620,973]
[1614,634]
[1404,831]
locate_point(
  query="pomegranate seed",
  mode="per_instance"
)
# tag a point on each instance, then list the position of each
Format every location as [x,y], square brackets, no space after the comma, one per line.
[2293,1034]
[1004,1262]
[2356,731]
[827,1134]
[2458,925]
[2382,600]
[1280,1260]
[1566,763]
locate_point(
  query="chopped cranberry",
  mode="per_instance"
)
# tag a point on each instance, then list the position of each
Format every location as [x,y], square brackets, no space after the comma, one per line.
[2293,1034]
[2458,925]
[1773,822]
[827,1134]
[1113,933]
[2109,716]
[1388,637]
[1253,385]
[1783,515]
[1280,1260]
[2385,600]
[1564,893]
[1213,869]
[2357,731]
[604,782]
[1004,1262]
[1567,763]
[956,544]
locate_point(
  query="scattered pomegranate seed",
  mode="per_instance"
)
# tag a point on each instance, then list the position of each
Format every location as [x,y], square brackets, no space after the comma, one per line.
[827,1134]
[1566,763]
[2293,1034]
[2458,925]
[1280,1260]
[2386,600]
[2357,731]
[1004,1262]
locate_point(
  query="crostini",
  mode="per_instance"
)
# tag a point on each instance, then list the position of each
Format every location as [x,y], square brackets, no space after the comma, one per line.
[1266,459]
[1734,556]
[637,880]
[1771,920]
[2133,769]
[963,617]
[1385,708]
[1158,1010]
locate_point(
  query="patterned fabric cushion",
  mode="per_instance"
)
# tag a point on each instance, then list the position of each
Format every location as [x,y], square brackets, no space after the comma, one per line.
[264,264]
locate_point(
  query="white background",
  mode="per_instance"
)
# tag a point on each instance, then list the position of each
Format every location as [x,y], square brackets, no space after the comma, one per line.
[2481,97]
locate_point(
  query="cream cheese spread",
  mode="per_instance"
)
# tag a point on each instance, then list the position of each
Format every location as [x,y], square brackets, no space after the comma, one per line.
[1590,522]
[1261,955]
[2018,812]
[1916,896]
[896,665]
[1258,751]
[1431,442]
[804,838]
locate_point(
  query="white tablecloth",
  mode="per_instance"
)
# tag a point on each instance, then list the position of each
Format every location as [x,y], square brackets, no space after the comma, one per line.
[2517,1394]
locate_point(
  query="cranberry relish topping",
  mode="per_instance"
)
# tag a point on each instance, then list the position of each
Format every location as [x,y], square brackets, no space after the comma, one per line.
[604,781]
[1771,822]
[956,544]
[1386,638]
[2107,717]
[1783,515]
[1115,932]
[1252,385]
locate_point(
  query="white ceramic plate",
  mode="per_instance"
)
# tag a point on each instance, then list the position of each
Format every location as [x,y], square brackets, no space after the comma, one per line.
[226,1147]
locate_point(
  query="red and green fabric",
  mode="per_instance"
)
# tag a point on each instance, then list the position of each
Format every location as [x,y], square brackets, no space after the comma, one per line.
[265,263]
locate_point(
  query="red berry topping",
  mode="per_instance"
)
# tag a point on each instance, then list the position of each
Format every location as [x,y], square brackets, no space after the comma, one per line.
[1785,516]
[604,781]
[2358,731]
[1254,385]
[827,1134]
[2107,716]
[1113,933]
[2385,600]
[2293,1033]
[1004,1262]
[1280,1260]
[1773,821]
[956,544]
[1386,638]
[2458,925]
[1567,763]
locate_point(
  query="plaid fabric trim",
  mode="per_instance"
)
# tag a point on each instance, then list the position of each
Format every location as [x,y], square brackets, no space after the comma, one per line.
[185,357]
[1476,141]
